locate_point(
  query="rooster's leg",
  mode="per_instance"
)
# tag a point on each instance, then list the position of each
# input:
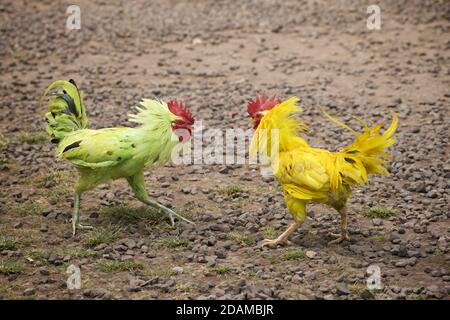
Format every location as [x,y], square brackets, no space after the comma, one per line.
[76,216]
[283,238]
[344,231]
[138,185]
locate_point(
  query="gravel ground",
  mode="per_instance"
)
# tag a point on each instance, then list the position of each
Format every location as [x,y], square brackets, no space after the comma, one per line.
[216,55]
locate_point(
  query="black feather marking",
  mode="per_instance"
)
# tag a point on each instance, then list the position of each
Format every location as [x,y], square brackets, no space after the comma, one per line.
[73,82]
[54,140]
[350,160]
[70,103]
[76,144]
[53,114]
[78,91]
[352,152]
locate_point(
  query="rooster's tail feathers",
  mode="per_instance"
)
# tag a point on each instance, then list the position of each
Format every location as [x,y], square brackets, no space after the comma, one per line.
[65,111]
[367,154]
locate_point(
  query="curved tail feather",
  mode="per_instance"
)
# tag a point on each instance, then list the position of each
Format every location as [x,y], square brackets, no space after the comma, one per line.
[65,110]
[366,155]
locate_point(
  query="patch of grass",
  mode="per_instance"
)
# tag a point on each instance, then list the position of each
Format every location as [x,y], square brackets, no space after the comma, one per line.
[36,256]
[188,210]
[293,255]
[241,238]
[230,190]
[338,267]
[357,288]
[10,267]
[415,296]
[175,242]
[18,54]
[269,232]
[153,272]
[27,208]
[379,212]
[101,235]
[7,243]
[185,287]
[82,253]
[3,141]
[7,287]
[125,214]
[249,274]
[380,237]
[282,270]
[32,137]
[220,270]
[58,182]
[117,266]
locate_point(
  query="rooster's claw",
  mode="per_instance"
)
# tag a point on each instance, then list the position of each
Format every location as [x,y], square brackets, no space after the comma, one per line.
[340,239]
[275,242]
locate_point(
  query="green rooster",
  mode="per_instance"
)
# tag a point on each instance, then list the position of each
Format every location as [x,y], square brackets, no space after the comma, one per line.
[111,153]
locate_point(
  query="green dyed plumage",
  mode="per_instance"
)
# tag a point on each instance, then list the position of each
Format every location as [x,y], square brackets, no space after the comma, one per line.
[111,153]
[66,111]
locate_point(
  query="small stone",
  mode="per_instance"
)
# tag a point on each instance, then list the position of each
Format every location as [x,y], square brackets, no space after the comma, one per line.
[341,289]
[18,225]
[177,270]
[44,272]
[224,170]
[402,251]
[366,295]
[29,291]
[377,222]
[43,228]
[130,243]
[310,254]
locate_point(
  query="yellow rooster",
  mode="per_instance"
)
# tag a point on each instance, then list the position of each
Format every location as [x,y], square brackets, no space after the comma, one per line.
[308,174]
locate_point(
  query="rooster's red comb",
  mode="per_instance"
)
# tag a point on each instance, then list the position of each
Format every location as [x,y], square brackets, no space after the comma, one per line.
[180,109]
[261,103]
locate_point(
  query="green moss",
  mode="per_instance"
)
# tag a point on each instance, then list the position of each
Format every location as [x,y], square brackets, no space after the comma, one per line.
[379,212]
[220,270]
[26,208]
[11,267]
[18,54]
[36,255]
[101,235]
[293,255]
[270,233]
[241,238]
[175,242]
[117,266]
[157,272]
[185,287]
[32,137]
[125,214]
[7,243]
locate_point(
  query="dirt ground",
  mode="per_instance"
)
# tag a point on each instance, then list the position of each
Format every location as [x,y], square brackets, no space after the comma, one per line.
[216,55]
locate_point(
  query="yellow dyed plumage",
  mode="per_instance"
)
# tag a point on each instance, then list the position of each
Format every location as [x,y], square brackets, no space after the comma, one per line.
[310,174]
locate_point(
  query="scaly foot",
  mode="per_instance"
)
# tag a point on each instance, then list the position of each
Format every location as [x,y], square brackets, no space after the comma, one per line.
[275,242]
[166,210]
[340,238]
[80,226]
[84,226]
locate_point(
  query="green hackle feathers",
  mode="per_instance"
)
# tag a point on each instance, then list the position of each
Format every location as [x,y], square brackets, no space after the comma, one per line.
[66,111]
